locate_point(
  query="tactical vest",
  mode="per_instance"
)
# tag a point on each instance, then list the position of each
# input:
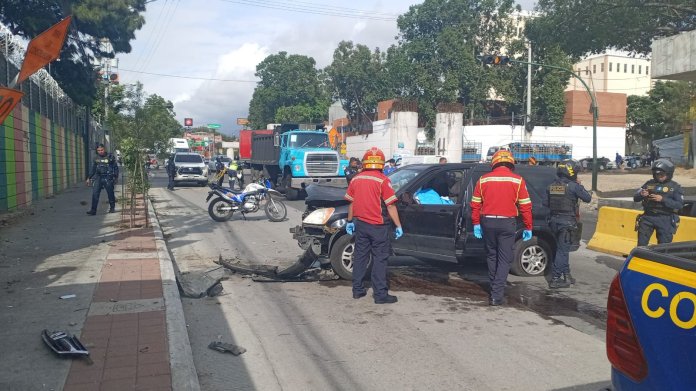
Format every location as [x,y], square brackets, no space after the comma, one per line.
[654,207]
[561,201]
[103,167]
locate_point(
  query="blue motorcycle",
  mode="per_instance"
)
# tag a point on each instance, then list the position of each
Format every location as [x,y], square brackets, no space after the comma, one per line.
[250,200]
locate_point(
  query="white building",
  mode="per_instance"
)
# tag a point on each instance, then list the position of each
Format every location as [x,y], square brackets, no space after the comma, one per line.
[613,72]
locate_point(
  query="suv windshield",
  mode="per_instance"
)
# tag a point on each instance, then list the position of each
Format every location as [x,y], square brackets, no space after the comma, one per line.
[188,159]
[403,176]
[225,159]
[308,140]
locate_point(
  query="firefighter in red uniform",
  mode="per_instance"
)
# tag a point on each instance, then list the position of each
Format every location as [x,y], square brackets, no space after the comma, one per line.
[494,211]
[370,215]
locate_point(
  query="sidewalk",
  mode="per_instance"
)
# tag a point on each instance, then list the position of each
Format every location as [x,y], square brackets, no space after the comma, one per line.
[126,308]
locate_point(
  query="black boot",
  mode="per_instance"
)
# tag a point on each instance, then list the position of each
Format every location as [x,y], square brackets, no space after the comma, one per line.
[569,278]
[112,209]
[558,282]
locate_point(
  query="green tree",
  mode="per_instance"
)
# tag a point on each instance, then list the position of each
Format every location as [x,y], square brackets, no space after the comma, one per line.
[439,42]
[663,113]
[358,81]
[303,113]
[147,122]
[592,26]
[93,21]
[286,81]
[643,119]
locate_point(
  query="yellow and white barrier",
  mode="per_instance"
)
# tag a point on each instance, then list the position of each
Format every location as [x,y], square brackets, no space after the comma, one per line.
[615,232]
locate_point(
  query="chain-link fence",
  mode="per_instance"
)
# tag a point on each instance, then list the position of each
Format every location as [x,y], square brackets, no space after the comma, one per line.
[47,140]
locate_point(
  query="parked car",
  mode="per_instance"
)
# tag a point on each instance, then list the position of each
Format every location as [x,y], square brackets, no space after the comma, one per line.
[190,168]
[431,232]
[226,160]
[602,163]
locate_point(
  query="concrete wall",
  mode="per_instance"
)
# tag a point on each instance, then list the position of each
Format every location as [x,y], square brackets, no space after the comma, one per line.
[448,139]
[381,137]
[405,126]
[674,58]
[38,158]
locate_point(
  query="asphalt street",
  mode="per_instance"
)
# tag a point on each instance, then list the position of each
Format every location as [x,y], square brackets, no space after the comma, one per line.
[441,333]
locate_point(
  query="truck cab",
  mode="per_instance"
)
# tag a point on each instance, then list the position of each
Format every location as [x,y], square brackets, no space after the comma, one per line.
[306,158]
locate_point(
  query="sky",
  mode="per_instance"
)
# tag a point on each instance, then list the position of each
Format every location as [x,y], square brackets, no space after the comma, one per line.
[202,54]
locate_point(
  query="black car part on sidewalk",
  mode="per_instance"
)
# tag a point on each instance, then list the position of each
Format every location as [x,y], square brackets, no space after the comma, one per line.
[299,271]
[64,344]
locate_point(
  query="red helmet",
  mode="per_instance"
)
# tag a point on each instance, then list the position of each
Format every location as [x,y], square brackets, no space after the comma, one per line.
[502,157]
[373,159]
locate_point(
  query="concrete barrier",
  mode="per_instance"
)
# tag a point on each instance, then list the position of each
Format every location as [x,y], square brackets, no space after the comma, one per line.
[615,233]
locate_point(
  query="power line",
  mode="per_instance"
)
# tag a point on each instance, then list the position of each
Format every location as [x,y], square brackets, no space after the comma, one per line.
[190,77]
[168,20]
[328,11]
[147,42]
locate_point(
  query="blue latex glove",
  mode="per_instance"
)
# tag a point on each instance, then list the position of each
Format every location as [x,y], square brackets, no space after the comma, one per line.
[477,231]
[398,232]
[526,234]
[350,228]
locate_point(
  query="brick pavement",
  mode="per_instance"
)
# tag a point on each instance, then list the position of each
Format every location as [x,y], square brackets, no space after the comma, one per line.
[126,328]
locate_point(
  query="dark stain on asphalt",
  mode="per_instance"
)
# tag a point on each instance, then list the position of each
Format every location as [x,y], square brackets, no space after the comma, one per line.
[435,283]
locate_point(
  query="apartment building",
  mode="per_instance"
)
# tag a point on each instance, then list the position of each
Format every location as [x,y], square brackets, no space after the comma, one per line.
[613,72]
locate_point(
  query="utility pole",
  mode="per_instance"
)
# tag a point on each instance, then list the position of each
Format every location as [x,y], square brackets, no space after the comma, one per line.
[529,89]
[593,109]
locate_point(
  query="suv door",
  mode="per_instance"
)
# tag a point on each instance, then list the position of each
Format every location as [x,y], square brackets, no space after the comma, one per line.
[432,228]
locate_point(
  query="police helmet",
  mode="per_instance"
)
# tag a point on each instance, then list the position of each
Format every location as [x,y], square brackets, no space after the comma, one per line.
[568,168]
[663,165]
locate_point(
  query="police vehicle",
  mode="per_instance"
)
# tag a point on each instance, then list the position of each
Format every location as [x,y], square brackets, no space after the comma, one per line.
[651,319]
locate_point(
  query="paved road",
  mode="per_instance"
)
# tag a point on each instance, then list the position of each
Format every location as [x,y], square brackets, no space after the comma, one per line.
[441,334]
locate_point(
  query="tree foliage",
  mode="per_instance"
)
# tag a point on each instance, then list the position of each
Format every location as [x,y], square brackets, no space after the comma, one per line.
[663,113]
[439,43]
[592,26]
[146,122]
[286,81]
[93,20]
[357,78]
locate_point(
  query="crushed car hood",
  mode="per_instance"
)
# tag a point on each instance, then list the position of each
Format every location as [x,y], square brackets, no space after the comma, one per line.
[319,196]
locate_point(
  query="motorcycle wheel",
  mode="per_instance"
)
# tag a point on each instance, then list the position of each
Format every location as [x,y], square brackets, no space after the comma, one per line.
[275,210]
[216,211]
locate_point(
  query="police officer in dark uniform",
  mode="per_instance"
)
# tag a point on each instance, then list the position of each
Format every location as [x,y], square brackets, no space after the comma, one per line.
[352,169]
[104,174]
[662,198]
[563,195]
[171,172]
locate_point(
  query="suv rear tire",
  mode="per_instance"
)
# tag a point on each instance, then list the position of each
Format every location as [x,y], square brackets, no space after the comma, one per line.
[532,258]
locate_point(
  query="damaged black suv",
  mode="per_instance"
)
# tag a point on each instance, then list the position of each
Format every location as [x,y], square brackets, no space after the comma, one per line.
[441,231]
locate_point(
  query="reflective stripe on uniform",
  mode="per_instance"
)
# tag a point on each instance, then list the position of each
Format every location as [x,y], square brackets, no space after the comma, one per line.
[500,179]
[524,201]
[368,177]
[390,200]
[476,199]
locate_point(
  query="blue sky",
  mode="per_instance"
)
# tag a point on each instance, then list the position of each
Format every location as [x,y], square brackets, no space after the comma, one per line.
[225,39]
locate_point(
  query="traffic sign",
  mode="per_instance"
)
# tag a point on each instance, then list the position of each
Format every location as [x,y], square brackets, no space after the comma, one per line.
[213,126]
[44,49]
[242,121]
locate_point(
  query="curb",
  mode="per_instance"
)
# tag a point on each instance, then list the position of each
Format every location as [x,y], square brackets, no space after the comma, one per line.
[184,375]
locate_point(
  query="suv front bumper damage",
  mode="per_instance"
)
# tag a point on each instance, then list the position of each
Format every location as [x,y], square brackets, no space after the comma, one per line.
[310,239]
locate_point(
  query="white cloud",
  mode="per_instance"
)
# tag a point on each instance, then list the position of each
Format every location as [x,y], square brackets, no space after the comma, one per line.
[224,40]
